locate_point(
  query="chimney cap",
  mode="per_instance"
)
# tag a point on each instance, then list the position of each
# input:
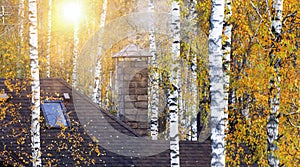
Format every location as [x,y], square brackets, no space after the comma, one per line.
[132,50]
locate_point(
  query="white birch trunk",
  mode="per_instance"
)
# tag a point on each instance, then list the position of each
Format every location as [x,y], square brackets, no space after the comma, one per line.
[273,121]
[21,21]
[184,114]
[193,87]
[216,84]
[49,38]
[75,55]
[174,88]
[96,96]
[21,34]
[227,50]
[227,54]
[194,106]
[154,78]
[34,65]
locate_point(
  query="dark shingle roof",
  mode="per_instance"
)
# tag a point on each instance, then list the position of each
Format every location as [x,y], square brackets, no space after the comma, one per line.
[118,144]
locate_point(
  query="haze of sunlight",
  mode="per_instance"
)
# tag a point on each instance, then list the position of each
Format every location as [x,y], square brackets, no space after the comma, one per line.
[72,12]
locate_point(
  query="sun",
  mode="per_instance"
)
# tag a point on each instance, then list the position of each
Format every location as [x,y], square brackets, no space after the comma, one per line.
[72,11]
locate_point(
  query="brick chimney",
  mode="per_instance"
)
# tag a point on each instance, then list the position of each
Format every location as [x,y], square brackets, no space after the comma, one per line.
[132,87]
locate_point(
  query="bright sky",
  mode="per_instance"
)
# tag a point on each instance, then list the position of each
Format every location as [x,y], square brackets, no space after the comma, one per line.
[72,11]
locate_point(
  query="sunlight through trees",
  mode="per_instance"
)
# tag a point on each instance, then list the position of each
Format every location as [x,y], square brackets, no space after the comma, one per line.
[221,71]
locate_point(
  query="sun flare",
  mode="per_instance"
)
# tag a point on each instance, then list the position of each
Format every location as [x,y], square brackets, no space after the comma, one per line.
[72,12]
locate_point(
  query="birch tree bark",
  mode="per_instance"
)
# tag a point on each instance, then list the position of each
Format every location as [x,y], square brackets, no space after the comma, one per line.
[173,100]
[34,68]
[227,52]
[75,55]
[153,95]
[21,21]
[273,121]
[193,67]
[49,38]
[216,74]
[21,34]
[96,96]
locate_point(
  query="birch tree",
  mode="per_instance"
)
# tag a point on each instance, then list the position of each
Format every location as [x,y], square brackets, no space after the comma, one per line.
[174,85]
[227,52]
[96,96]
[216,84]
[21,33]
[273,121]
[193,76]
[48,56]
[251,85]
[34,65]
[75,55]
[154,79]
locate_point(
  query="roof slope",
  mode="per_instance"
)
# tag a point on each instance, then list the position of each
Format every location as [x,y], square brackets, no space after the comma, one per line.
[96,138]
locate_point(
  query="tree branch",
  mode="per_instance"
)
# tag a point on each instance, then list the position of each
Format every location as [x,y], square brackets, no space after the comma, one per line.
[256,9]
